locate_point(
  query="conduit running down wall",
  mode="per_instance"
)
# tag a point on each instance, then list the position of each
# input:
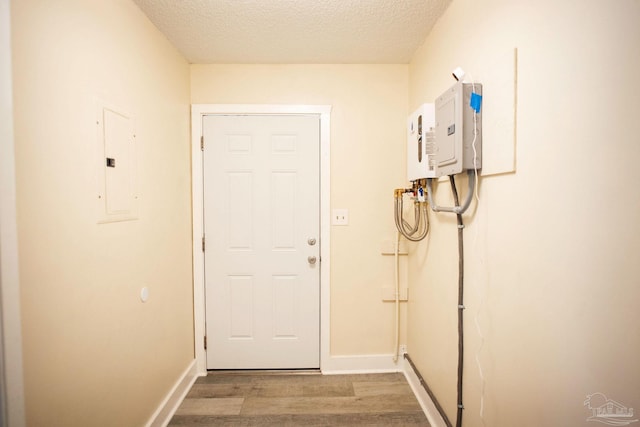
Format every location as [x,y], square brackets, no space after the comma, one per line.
[444,139]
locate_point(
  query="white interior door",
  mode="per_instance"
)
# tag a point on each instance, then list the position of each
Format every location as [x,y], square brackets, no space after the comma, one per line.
[262,229]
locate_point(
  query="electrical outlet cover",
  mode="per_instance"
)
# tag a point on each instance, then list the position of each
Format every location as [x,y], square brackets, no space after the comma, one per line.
[340,217]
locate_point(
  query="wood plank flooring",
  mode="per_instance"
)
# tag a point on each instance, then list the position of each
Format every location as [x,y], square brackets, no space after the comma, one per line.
[299,399]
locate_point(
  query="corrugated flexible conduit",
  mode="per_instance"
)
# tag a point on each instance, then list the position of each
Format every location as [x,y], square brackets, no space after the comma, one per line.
[407,231]
[460,293]
[457,209]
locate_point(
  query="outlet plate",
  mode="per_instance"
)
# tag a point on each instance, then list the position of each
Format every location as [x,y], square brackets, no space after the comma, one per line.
[340,217]
[402,349]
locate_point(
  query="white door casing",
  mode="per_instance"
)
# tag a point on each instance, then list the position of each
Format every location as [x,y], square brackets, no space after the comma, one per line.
[328,363]
[261,224]
[198,112]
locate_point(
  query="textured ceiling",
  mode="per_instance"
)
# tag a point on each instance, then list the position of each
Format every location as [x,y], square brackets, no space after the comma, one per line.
[295,31]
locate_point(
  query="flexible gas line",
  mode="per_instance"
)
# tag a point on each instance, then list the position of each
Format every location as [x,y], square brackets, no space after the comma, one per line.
[414,233]
[420,227]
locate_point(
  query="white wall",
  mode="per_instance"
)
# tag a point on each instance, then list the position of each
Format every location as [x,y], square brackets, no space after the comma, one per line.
[94,354]
[552,274]
[369,107]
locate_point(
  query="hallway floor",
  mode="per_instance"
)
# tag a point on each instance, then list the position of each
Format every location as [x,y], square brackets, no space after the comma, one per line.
[299,399]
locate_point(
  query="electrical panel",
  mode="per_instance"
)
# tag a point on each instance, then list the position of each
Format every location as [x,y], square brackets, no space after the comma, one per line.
[117,198]
[420,139]
[458,130]
[445,138]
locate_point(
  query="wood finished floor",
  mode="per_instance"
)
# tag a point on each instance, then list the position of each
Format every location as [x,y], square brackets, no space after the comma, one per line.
[299,399]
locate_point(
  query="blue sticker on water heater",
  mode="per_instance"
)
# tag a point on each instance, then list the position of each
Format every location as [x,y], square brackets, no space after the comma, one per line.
[475,102]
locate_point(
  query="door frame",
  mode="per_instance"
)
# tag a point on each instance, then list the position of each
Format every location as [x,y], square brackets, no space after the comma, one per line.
[198,111]
[12,410]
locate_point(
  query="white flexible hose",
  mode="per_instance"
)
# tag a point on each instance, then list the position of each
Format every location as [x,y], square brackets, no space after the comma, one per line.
[396,254]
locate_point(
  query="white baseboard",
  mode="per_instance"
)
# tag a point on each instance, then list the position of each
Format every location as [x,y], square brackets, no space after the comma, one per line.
[429,409]
[368,364]
[382,363]
[174,397]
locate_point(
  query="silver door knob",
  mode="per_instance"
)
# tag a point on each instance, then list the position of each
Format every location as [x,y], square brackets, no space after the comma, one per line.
[311,241]
[312,260]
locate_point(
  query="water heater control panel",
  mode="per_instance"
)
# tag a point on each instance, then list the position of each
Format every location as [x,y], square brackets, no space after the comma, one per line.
[420,140]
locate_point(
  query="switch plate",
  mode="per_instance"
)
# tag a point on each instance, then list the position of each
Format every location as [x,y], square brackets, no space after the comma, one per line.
[340,217]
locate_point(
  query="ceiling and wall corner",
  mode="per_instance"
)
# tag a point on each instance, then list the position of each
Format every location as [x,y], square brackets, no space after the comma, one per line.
[294,31]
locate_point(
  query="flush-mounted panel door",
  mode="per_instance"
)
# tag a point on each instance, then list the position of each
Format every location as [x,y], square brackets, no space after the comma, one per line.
[262,228]
[117,199]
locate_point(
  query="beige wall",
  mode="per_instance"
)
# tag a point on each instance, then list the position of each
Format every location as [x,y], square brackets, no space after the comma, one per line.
[94,354]
[367,161]
[551,270]
[11,403]
[551,251]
